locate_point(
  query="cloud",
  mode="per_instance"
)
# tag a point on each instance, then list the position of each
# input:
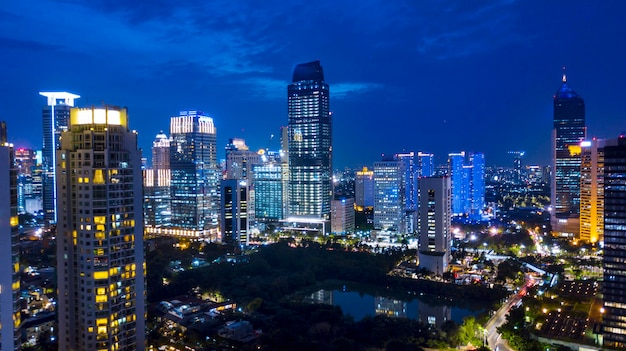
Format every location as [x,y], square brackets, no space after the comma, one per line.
[346,90]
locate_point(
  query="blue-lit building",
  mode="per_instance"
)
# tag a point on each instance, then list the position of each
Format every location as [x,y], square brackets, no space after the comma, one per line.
[426,164]
[157,187]
[467,172]
[310,144]
[195,176]
[342,216]
[389,195]
[55,118]
[411,174]
[568,131]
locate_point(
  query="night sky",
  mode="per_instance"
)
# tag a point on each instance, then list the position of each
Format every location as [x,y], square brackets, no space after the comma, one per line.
[435,76]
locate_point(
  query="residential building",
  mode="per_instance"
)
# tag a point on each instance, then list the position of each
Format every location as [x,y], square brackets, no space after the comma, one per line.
[100,249]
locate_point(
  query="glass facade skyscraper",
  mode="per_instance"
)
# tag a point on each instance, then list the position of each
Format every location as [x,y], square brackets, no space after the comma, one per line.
[55,118]
[100,249]
[389,195]
[568,131]
[195,176]
[310,143]
[468,183]
[614,262]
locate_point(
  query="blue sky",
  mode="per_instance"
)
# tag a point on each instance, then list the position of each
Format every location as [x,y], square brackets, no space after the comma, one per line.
[434,76]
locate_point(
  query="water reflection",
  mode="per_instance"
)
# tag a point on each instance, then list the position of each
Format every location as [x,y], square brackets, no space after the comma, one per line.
[359,305]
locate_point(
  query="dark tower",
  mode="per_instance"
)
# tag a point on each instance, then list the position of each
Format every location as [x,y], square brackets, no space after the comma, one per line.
[569,130]
[310,143]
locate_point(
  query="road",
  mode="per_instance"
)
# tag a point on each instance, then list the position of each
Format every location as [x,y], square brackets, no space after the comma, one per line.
[494,339]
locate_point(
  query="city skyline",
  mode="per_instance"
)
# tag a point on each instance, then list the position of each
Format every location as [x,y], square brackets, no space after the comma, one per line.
[436,77]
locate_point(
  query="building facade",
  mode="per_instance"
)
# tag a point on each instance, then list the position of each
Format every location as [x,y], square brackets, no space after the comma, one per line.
[310,143]
[157,186]
[426,164]
[55,118]
[342,216]
[568,131]
[269,188]
[434,218]
[234,221]
[100,251]
[364,189]
[467,173]
[10,319]
[389,195]
[195,176]
[240,160]
[614,262]
[592,190]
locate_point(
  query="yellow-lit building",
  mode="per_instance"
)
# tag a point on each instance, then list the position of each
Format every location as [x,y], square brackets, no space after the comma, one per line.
[592,191]
[100,257]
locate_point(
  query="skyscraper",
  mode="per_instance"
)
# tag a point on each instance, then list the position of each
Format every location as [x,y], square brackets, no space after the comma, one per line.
[426,167]
[310,143]
[614,284]
[10,320]
[240,160]
[55,120]
[569,130]
[434,227]
[592,190]
[468,183]
[411,175]
[269,189]
[364,189]
[234,216]
[342,216]
[100,257]
[389,195]
[157,184]
[195,176]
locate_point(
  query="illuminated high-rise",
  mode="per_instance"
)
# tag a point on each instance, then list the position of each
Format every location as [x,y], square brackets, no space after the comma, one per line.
[468,183]
[157,183]
[269,189]
[614,280]
[426,164]
[364,189]
[234,217]
[195,176]
[240,160]
[592,190]
[567,133]
[55,120]
[310,144]
[100,250]
[10,319]
[389,195]
[411,174]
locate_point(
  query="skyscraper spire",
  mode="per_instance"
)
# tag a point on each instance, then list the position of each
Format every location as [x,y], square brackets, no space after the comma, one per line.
[564,76]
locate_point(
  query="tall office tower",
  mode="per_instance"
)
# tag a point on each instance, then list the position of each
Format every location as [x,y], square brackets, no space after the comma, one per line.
[410,187]
[364,189]
[614,285]
[434,228]
[157,182]
[10,320]
[389,195]
[517,165]
[477,199]
[460,182]
[239,159]
[569,130]
[55,121]
[234,216]
[592,190]
[269,188]
[195,176]
[25,161]
[426,164]
[342,216]
[100,256]
[468,183]
[310,144]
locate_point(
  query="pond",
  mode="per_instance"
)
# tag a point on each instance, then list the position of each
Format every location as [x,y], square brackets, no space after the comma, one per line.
[359,305]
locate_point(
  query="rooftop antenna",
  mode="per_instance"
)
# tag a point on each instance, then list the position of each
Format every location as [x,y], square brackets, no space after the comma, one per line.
[564,76]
